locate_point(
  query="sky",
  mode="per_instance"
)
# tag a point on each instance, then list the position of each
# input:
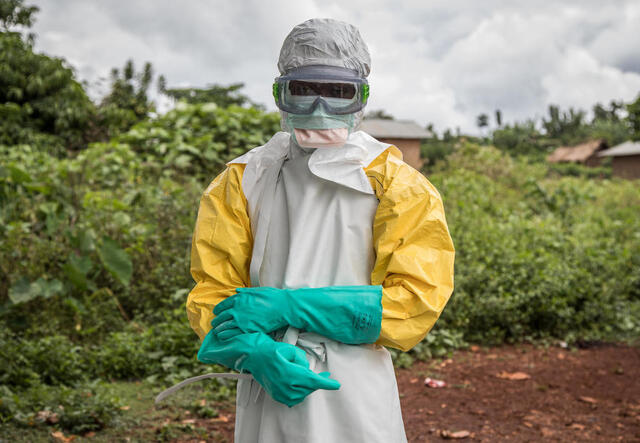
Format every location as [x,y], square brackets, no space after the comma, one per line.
[433,61]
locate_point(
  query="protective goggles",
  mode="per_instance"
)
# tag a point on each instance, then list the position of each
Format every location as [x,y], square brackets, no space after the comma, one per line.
[339,90]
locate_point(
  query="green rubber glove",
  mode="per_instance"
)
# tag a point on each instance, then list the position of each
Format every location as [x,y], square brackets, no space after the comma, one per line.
[348,314]
[280,368]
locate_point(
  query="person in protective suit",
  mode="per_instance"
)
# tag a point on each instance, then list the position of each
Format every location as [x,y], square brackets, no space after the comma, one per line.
[313,252]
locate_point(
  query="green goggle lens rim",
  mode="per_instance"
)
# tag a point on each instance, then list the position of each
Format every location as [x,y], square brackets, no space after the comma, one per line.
[365,93]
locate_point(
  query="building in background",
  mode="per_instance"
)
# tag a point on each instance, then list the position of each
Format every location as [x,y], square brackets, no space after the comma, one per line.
[625,159]
[584,153]
[406,135]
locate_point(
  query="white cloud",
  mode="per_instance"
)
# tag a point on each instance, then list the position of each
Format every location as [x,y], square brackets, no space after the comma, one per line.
[580,81]
[442,61]
[618,44]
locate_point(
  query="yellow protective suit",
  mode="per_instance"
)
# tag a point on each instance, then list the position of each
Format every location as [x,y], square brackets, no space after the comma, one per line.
[413,248]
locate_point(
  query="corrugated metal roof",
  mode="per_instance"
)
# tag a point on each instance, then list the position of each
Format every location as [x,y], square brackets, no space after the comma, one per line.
[381,128]
[626,148]
[578,153]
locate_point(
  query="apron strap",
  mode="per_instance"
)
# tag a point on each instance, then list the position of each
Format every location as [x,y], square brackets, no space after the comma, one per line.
[264,207]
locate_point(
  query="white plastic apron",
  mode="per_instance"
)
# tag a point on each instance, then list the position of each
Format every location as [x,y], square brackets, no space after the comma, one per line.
[312,214]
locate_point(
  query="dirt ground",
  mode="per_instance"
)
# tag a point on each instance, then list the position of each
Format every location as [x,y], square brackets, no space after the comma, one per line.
[517,393]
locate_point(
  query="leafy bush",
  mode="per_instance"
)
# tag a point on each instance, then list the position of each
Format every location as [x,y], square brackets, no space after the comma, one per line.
[40,101]
[94,253]
[435,150]
[198,139]
[522,139]
[577,170]
[89,407]
[539,257]
[141,198]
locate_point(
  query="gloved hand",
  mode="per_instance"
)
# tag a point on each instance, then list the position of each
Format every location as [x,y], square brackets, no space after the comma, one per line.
[348,314]
[280,368]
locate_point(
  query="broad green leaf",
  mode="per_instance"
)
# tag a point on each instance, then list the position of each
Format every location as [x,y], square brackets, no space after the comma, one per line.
[86,240]
[23,291]
[76,270]
[182,161]
[115,260]
[20,292]
[122,219]
[19,175]
[48,288]
[38,187]
[48,207]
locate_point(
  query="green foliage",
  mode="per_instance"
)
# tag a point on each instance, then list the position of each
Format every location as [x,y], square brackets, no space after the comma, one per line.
[578,170]
[139,192]
[14,13]
[51,360]
[164,352]
[522,139]
[127,101]
[23,290]
[438,343]
[564,125]
[434,150]
[482,121]
[613,131]
[539,257]
[94,252]
[198,139]
[223,96]
[85,408]
[40,101]
[565,128]
[633,109]
[53,375]
[114,259]
[47,378]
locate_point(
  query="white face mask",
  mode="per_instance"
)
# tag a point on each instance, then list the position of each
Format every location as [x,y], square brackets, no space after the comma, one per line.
[321,138]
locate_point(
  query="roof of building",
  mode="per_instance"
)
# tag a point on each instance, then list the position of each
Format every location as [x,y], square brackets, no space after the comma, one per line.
[381,128]
[626,148]
[578,153]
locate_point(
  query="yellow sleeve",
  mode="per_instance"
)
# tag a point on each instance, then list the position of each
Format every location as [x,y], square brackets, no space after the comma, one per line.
[220,248]
[414,251]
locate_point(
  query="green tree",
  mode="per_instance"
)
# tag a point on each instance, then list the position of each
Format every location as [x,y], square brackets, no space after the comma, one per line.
[607,123]
[633,110]
[568,126]
[127,101]
[14,13]
[223,96]
[602,113]
[129,90]
[448,136]
[599,112]
[482,121]
[40,100]
[521,139]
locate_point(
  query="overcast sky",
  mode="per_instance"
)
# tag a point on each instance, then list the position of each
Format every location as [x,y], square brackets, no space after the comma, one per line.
[436,61]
